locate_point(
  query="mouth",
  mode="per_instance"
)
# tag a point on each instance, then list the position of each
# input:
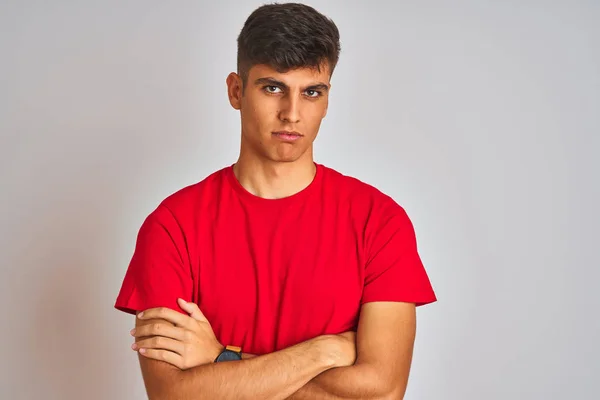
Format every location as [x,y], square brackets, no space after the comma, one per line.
[287,135]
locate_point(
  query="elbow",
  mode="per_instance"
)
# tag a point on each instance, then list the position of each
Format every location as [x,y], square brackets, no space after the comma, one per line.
[387,394]
[381,386]
[161,392]
[164,382]
[391,392]
[392,396]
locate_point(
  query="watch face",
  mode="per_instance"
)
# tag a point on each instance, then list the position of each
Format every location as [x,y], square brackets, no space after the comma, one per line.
[228,355]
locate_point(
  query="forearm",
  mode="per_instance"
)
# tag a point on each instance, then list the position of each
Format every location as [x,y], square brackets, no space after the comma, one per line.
[354,382]
[272,376]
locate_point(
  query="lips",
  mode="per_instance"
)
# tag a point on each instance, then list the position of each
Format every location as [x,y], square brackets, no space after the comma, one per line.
[288,136]
[287,133]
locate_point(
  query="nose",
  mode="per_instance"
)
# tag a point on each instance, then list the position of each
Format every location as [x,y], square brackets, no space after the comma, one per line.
[290,109]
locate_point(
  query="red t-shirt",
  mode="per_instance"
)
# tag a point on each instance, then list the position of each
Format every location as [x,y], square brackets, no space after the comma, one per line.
[272,273]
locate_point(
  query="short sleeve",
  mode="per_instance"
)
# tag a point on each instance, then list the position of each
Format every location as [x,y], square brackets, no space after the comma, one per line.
[158,272]
[394,271]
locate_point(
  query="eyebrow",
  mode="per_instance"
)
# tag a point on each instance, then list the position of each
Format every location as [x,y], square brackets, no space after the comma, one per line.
[274,82]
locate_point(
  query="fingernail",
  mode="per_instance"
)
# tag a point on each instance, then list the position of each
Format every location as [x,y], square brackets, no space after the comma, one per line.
[142,351]
[140,315]
[132,332]
[134,346]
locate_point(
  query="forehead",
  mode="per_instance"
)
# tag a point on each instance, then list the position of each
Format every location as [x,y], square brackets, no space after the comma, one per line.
[298,76]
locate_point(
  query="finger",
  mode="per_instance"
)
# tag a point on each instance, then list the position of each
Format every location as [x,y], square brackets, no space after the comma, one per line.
[192,309]
[163,355]
[160,343]
[159,329]
[167,314]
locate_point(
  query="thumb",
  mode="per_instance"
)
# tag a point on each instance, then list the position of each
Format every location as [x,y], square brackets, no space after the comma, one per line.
[192,309]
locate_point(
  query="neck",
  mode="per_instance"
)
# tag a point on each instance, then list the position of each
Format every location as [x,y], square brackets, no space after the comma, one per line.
[274,180]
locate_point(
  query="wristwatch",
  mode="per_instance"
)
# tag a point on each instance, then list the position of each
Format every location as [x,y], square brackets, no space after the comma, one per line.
[231,353]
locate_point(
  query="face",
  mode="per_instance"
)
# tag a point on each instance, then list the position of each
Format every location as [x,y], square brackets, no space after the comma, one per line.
[281,112]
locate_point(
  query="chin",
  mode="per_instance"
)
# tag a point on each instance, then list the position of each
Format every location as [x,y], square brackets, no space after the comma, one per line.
[286,158]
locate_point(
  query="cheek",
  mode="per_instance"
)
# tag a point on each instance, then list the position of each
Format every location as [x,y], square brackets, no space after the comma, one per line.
[316,116]
[260,113]
[250,115]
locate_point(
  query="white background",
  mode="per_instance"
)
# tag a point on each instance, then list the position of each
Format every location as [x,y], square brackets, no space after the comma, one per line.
[480,117]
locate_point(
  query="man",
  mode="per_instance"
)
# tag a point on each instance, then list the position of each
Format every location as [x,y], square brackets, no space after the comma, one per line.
[305,278]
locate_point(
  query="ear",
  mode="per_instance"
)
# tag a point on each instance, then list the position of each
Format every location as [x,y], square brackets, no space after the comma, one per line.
[234,90]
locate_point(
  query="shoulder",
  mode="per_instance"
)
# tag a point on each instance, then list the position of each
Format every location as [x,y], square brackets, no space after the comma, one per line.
[359,193]
[377,214]
[191,199]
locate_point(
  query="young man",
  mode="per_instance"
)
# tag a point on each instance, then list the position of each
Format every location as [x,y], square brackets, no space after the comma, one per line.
[307,279]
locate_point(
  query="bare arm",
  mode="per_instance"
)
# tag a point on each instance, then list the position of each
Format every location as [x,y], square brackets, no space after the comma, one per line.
[385,340]
[272,376]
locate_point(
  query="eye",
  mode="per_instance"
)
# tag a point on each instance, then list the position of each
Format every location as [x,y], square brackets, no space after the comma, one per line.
[313,93]
[271,89]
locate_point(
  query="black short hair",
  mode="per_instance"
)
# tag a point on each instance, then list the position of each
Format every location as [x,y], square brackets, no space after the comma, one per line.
[287,36]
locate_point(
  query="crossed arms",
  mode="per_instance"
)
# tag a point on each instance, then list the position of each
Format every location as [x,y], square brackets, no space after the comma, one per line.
[373,364]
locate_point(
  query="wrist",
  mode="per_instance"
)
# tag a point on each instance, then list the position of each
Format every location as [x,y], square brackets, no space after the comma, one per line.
[325,351]
[218,349]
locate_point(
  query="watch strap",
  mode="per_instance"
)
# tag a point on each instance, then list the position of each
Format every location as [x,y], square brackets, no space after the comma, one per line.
[235,349]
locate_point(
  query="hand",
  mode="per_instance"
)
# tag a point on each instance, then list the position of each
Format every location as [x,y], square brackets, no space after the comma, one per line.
[189,343]
[345,351]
